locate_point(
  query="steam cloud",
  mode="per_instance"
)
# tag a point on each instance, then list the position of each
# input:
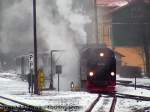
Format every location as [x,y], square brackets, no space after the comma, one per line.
[60,26]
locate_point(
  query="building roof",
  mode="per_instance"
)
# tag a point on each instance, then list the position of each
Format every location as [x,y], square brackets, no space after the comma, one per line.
[135,2]
[117,3]
[112,3]
[114,7]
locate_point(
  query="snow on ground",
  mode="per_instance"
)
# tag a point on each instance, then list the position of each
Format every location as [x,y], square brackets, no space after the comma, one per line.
[12,87]
[58,101]
[9,76]
[17,90]
[11,84]
[132,90]
[129,105]
[140,81]
[10,103]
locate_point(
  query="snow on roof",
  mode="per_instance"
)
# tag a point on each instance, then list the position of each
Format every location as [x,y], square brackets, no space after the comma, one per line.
[112,3]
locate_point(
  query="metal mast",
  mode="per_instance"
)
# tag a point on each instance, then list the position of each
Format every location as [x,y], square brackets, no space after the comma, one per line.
[36,91]
[96,22]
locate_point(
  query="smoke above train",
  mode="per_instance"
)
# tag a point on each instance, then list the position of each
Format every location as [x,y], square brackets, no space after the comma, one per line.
[61,25]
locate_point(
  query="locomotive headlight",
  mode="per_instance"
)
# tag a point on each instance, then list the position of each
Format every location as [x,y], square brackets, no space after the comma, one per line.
[91,74]
[101,54]
[112,73]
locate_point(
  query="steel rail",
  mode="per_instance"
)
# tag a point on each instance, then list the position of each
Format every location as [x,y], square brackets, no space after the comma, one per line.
[24,106]
[129,96]
[112,108]
[136,97]
[93,104]
[132,85]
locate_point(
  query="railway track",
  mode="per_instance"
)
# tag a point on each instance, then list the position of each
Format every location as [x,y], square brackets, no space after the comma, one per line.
[93,104]
[133,85]
[112,108]
[98,100]
[10,105]
[110,100]
[114,97]
[127,96]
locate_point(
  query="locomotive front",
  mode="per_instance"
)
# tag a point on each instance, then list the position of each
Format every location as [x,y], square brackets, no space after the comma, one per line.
[100,69]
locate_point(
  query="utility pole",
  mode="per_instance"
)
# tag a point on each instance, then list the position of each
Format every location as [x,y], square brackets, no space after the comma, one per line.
[51,74]
[96,22]
[36,91]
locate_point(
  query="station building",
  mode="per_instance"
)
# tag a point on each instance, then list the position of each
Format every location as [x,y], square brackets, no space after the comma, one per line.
[119,28]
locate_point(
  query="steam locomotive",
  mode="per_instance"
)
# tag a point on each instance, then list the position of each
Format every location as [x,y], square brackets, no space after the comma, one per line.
[98,69]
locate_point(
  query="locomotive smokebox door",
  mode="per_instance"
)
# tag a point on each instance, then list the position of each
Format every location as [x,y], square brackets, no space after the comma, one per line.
[58,69]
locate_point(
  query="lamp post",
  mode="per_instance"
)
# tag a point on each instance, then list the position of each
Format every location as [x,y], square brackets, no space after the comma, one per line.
[51,74]
[36,91]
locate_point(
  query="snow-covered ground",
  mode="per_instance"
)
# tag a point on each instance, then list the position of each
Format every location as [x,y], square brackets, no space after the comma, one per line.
[11,84]
[14,88]
[50,100]
[58,101]
[132,90]
[129,105]
[140,81]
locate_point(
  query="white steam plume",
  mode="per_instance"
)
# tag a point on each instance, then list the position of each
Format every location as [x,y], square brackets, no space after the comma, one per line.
[16,30]
[76,19]
[59,26]
[64,34]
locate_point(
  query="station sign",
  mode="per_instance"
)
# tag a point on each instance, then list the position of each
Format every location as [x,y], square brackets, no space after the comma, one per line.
[58,69]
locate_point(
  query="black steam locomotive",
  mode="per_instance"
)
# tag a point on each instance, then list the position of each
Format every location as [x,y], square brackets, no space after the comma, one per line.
[98,69]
